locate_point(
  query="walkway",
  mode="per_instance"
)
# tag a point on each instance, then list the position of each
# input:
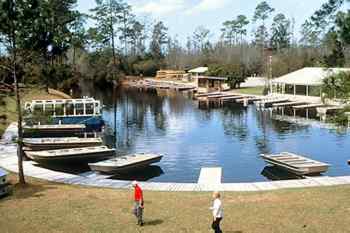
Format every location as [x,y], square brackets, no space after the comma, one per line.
[8,160]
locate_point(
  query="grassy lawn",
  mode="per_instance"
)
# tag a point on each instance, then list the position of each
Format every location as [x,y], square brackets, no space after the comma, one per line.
[251,90]
[51,207]
[27,94]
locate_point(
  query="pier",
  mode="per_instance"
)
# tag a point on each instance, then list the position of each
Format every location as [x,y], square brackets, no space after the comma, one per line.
[210,175]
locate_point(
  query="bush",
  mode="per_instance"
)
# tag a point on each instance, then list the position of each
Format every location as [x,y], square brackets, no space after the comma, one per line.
[147,68]
[236,73]
[341,118]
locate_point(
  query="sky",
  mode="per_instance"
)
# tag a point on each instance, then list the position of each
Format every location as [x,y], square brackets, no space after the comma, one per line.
[182,17]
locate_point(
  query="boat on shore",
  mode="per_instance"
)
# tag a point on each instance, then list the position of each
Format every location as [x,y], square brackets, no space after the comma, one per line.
[74,155]
[60,129]
[36,144]
[125,163]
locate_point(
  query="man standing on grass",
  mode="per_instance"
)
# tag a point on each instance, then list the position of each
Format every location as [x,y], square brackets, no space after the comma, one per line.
[138,205]
[217,210]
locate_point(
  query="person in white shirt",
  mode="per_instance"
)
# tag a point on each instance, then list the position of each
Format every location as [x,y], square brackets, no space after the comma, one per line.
[217,210]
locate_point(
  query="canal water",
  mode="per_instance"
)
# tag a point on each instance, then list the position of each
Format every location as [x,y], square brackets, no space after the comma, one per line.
[190,138]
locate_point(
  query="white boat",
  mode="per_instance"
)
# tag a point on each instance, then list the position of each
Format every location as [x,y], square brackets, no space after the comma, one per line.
[36,144]
[125,163]
[85,154]
[54,129]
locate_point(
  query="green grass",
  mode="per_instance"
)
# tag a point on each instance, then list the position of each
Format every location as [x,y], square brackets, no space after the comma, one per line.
[251,90]
[9,109]
[49,207]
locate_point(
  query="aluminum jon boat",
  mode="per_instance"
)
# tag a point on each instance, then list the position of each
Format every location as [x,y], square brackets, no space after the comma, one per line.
[296,164]
[53,129]
[36,144]
[75,155]
[125,163]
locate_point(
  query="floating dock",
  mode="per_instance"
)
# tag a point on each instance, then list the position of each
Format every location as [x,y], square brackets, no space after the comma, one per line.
[288,104]
[210,175]
[306,106]
[231,98]
[265,103]
[296,164]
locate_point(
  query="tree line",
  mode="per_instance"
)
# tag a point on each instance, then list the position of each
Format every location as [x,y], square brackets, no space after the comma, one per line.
[50,42]
[56,46]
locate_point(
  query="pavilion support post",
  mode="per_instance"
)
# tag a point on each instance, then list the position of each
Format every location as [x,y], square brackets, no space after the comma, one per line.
[295,89]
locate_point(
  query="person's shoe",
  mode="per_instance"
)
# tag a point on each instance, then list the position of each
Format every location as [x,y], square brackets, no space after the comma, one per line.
[141,224]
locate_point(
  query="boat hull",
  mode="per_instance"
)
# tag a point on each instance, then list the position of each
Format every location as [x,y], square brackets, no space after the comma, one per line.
[81,158]
[123,169]
[39,147]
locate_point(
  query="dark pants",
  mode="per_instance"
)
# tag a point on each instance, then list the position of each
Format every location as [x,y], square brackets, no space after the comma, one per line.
[216,225]
[138,212]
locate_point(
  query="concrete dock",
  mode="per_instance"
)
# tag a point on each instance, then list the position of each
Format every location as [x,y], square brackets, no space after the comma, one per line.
[210,175]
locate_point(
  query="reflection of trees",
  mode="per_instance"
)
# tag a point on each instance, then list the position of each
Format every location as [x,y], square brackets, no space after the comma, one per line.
[135,110]
[177,103]
[262,141]
[235,122]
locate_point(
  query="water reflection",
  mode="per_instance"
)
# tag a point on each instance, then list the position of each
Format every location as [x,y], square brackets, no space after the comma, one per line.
[190,138]
[143,174]
[275,173]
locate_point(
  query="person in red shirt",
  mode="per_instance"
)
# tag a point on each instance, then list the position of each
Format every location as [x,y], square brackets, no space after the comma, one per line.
[138,205]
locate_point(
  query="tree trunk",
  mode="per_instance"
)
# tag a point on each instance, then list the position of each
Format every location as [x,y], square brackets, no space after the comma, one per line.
[74,68]
[19,113]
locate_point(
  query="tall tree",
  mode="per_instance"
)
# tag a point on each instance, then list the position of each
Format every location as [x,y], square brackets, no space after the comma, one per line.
[201,37]
[343,26]
[16,17]
[159,39]
[309,36]
[126,26]
[336,57]
[108,14]
[136,37]
[281,34]
[78,35]
[242,23]
[262,12]
[230,31]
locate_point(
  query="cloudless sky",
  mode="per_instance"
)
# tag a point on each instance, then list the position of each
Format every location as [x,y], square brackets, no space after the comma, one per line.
[183,16]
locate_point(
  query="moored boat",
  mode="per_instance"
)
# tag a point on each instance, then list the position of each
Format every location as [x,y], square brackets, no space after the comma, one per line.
[36,144]
[85,111]
[85,154]
[125,163]
[60,129]
[296,164]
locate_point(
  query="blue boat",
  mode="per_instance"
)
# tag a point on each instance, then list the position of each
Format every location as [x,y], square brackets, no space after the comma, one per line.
[69,111]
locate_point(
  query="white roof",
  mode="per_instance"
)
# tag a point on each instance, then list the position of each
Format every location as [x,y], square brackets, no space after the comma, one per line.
[309,76]
[199,70]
